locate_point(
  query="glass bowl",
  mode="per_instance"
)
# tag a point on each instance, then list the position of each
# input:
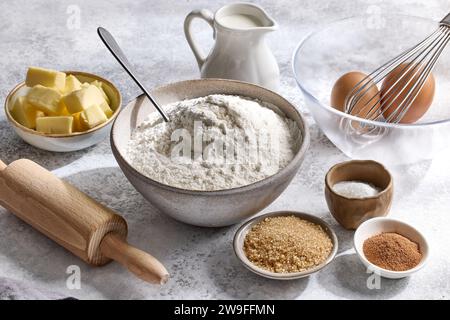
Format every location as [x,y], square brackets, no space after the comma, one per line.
[362,44]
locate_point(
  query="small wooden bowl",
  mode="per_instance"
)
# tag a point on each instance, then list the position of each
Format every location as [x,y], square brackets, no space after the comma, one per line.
[351,212]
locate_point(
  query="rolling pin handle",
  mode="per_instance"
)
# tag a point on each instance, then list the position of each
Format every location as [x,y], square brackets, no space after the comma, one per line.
[2,165]
[142,264]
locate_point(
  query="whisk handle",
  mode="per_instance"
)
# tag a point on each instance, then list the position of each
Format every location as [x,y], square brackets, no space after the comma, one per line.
[446,21]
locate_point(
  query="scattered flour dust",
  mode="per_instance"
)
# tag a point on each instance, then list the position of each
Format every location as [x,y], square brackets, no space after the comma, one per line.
[213,143]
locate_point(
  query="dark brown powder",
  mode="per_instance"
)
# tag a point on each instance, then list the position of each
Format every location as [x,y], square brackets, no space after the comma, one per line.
[392,251]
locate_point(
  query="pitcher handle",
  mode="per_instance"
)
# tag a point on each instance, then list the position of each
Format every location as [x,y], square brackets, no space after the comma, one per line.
[206,15]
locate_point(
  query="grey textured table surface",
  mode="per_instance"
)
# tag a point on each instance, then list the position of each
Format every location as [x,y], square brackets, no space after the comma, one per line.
[201,261]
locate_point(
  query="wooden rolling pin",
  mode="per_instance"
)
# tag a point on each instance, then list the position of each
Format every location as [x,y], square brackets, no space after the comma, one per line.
[77,222]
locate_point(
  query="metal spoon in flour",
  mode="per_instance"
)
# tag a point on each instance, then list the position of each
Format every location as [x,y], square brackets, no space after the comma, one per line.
[115,50]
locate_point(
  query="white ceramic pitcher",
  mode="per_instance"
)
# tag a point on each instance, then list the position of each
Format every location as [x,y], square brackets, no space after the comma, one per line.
[240,51]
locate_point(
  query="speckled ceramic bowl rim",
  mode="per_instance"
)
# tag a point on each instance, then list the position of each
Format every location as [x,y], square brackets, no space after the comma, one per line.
[283,172]
[349,163]
[362,256]
[243,230]
[75,134]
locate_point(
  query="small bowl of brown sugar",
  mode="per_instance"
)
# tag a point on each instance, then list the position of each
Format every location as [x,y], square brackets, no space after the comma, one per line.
[285,245]
[390,247]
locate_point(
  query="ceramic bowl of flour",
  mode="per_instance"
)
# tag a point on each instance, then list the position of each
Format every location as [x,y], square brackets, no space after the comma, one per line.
[206,208]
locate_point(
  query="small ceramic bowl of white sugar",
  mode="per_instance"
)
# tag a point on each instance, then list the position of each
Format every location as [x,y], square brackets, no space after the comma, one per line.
[358,190]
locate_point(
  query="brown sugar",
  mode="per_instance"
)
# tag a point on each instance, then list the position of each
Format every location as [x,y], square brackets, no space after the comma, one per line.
[392,251]
[287,244]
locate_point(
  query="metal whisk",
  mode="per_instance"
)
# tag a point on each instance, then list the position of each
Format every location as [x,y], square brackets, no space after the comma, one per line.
[414,65]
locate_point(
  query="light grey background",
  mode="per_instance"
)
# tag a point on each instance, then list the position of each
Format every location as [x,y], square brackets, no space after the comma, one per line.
[201,261]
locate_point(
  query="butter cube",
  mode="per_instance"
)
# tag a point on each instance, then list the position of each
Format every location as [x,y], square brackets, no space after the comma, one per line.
[80,100]
[45,77]
[39,114]
[99,85]
[55,125]
[93,116]
[63,108]
[72,84]
[78,124]
[106,109]
[45,99]
[65,112]
[24,113]
[105,104]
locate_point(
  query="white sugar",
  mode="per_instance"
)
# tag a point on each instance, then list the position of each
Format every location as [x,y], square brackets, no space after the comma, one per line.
[355,189]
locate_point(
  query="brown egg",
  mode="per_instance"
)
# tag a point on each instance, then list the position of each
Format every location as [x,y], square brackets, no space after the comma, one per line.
[344,86]
[420,104]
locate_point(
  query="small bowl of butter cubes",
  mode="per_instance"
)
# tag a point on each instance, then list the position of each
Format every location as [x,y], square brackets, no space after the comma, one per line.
[62,111]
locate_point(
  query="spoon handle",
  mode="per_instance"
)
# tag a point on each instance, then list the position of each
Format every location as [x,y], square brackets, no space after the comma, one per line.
[115,50]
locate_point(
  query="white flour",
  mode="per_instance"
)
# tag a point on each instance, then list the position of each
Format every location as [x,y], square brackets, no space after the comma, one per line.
[213,143]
